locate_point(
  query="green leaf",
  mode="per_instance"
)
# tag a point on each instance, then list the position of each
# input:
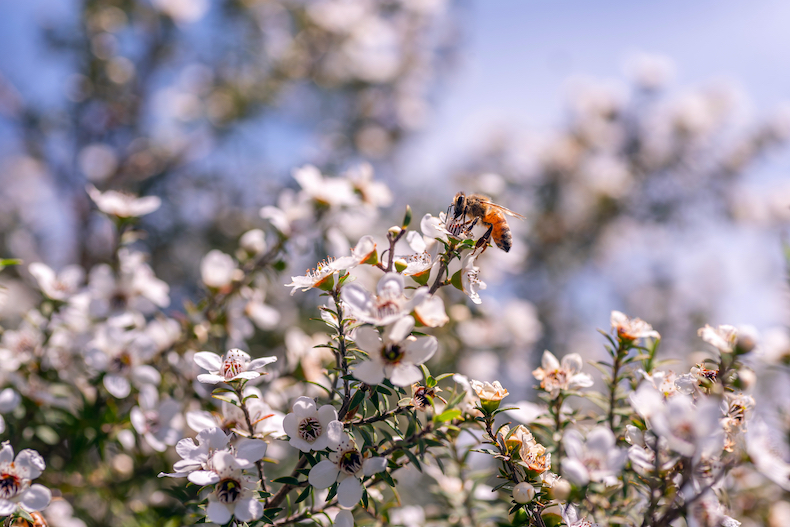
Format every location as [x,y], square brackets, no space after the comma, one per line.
[413,459]
[447,415]
[332,492]
[406,223]
[356,399]
[7,262]
[305,493]
[456,281]
[286,480]
[225,399]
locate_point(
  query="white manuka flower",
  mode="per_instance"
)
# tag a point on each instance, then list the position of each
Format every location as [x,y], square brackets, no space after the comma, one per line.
[374,194]
[217,269]
[596,459]
[632,328]
[234,494]
[691,431]
[570,516]
[554,376]
[122,354]
[709,512]
[311,428]
[265,421]
[322,277]
[196,463]
[431,313]
[735,408]
[668,384]
[123,205]
[363,252]
[136,286]
[326,191]
[159,423]
[345,465]
[396,356]
[418,266]
[235,365]
[194,457]
[470,281]
[293,213]
[58,286]
[387,306]
[15,476]
[723,337]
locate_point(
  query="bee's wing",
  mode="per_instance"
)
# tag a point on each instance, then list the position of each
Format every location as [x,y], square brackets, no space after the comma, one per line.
[505,210]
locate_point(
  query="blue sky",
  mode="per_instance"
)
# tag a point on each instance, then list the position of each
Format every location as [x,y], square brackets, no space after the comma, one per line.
[519,54]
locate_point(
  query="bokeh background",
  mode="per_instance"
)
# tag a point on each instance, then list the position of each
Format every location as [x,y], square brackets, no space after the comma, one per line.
[645,143]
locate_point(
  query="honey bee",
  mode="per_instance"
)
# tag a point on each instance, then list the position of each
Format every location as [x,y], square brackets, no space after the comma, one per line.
[479,207]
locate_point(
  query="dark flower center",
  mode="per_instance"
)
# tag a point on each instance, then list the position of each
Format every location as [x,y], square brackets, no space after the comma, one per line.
[121,363]
[10,485]
[392,353]
[309,429]
[350,462]
[228,491]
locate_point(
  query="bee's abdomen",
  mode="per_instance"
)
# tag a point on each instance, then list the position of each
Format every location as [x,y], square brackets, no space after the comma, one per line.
[502,236]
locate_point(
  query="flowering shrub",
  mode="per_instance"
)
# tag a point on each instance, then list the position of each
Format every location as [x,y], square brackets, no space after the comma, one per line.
[105,384]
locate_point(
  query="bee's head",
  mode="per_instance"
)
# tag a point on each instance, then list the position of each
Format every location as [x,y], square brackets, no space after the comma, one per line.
[459,204]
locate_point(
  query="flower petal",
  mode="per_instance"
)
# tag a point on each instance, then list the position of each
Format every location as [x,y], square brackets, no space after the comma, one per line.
[572,362]
[248,509]
[349,492]
[36,498]
[248,451]
[210,378]
[323,474]
[256,364]
[9,399]
[7,508]
[405,375]
[357,298]
[369,372]
[217,512]
[117,386]
[213,437]
[368,340]
[344,519]
[203,477]
[6,453]
[334,434]
[575,471]
[304,407]
[289,425]
[549,362]
[421,349]
[208,360]
[399,330]
[327,414]
[374,465]
[201,420]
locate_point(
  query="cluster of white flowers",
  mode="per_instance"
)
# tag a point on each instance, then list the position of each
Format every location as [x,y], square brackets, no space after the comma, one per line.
[661,447]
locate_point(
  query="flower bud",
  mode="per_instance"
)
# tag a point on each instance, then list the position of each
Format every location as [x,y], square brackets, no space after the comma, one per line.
[394,231]
[401,265]
[490,394]
[523,492]
[746,341]
[746,379]
[561,490]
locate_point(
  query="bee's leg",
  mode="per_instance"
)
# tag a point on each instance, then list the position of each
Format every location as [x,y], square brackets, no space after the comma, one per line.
[470,225]
[484,239]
